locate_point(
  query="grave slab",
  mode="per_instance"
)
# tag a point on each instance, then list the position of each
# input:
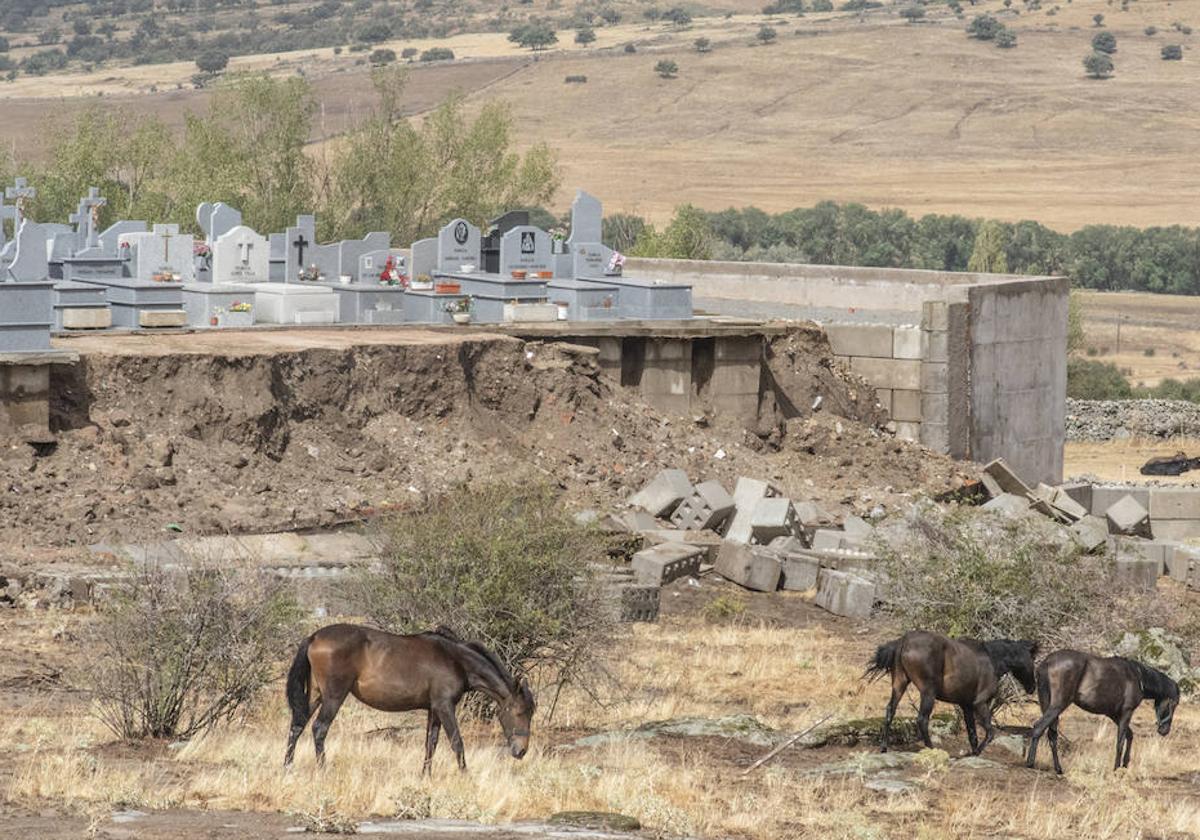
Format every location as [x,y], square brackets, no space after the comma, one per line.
[294,303]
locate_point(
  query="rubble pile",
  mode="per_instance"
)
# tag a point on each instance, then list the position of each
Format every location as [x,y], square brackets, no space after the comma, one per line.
[1099,420]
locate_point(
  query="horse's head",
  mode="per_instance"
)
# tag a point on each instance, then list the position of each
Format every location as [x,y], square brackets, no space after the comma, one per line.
[516,714]
[1020,664]
[1164,708]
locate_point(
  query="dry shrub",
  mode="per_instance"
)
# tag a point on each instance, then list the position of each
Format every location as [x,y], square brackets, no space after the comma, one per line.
[967,572]
[503,564]
[178,652]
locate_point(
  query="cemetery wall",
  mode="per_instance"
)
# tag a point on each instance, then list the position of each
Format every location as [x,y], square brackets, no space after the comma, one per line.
[972,365]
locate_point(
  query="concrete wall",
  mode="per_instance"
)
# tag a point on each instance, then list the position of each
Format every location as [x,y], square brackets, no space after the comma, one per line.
[890,359]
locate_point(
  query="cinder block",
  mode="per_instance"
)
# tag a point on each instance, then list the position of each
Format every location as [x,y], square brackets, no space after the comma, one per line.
[746,494]
[798,572]
[639,602]
[1193,574]
[159,318]
[1176,530]
[1126,516]
[661,564]
[937,346]
[934,378]
[1174,503]
[662,495]
[708,507]
[908,431]
[1091,533]
[773,518]
[906,406]
[708,541]
[873,340]
[935,315]
[87,318]
[1105,496]
[889,373]
[1141,572]
[1007,503]
[827,538]
[845,594]
[1179,560]
[906,343]
[1007,480]
[753,567]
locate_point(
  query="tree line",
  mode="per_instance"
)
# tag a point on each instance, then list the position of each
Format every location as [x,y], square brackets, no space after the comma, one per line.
[251,151]
[1154,259]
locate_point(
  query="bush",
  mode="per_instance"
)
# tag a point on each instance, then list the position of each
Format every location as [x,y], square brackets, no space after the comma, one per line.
[382,56]
[409,53]
[1006,39]
[577,80]
[766,34]
[912,13]
[503,564]
[1151,30]
[702,45]
[724,609]
[667,69]
[630,48]
[1098,65]
[1105,42]
[985,28]
[1172,52]
[175,655]
[1092,380]
[585,36]
[437,54]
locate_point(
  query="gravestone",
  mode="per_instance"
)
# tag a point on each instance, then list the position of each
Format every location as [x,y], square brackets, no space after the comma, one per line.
[350,252]
[239,256]
[372,265]
[298,242]
[458,244]
[29,260]
[204,219]
[161,254]
[424,258]
[86,220]
[222,219]
[589,256]
[525,248]
[110,239]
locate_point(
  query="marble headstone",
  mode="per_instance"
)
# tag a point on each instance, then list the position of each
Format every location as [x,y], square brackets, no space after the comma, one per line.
[525,248]
[372,264]
[298,242]
[110,240]
[29,262]
[458,244]
[589,256]
[240,255]
[424,258]
[164,250]
[222,220]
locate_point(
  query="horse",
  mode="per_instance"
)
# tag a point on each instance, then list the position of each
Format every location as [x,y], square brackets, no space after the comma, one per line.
[965,672]
[393,673]
[1113,686]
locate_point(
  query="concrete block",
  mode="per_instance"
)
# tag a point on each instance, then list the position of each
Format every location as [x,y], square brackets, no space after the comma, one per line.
[708,507]
[1080,491]
[787,545]
[798,572]
[753,567]
[746,494]
[827,538]
[884,397]
[935,315]
[87,318]
[906,406]
[1007,503]
[662,495]
[1091,533]
[1176,530]
[909,431]
[1193,574]
[638,602]
[1174,503]
[936,346]
[934,378]
[661,564]
[773,518]
[708,541]
[1141,572]
[1105,496]
[811,515]
[1179,560]
[1062,502]
[906,343]
[873,340]
[1007,480]
[1149,549]
[889,373]
[845,594]
[160,318]
[1126,516]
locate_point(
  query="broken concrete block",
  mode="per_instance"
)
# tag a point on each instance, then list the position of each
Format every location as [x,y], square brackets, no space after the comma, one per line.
[638,602]
[1140,572]
[773,518]
[1179,559]
[845,594]
[1126,516]
[798,572]
[661,564]
[1079,492]
[662,495]
[857,529]
[811,515]
[1091,532]
[708,507]
[787,545]
[1150,549]
[708,541]
[746,494]
[1008,503]
[1005,478]
[827,538]
[753,567]
[1063,503]
[1193,574]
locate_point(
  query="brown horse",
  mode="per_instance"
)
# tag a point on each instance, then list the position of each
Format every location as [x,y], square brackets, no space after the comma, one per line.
[397,674]
[960,671]
[1113,687]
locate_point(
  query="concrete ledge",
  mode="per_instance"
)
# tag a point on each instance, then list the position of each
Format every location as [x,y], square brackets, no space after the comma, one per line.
[42,357]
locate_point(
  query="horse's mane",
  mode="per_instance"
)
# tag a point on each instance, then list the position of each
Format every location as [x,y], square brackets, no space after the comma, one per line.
[1006,653]
[1155,683]
[490,658]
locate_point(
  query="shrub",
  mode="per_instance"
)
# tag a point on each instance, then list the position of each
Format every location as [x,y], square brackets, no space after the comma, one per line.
[630,48]
[1098,19]
[1098,65]
[1105,42]
[1151,30]
[409,53]
[821,5]
[702,45]
[1148,352]
[1172,52]
[766,34]
[1092,380]
[859,5]
[1006,39]
[176,655]
[724,609]
[382,56]
[667,69]
[585,36]
[985,28]
[503,564]
[577,80]
[912,13]
[437,54]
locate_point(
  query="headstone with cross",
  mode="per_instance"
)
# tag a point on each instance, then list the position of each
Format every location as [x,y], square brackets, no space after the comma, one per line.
[299,240]
[239,256]
[160,255]
[87,219]
[22,192]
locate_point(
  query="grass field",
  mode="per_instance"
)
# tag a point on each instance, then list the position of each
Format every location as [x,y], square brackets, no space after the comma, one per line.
[1153,337]
[842,106]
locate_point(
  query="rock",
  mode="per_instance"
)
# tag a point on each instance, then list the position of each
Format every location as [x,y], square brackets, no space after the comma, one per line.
[1014,745]
[1162,650]
[932,759]
[891,786]
[851,733]
[864,764]
[596,820]
[976,762]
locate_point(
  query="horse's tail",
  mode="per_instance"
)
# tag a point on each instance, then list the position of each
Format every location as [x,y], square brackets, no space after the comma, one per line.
[883,661]
[299,680]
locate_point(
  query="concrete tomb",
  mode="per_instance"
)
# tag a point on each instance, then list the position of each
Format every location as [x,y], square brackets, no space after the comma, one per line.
[298,299]
[240,259]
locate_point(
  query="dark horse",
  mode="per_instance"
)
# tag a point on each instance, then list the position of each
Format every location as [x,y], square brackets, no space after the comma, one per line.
[960,671]
[1113,687]
[398,674]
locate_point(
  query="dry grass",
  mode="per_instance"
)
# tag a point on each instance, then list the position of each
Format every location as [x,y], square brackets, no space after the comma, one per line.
[787,677]
[1120,460]
[1162,324]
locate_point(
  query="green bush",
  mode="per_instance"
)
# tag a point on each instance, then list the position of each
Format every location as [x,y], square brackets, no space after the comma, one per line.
[1172,52]
[437,54]
[667,69]
[1088,379]
[985,28]
[1098,65]
[503,564]
[1104,42]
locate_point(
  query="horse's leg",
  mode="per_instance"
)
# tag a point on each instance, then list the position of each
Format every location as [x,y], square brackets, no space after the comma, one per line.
[331,702]
[450,724]
[928,698]
[432,727]
[1050,713]
[899,686]
[297,730]
[984,713]
[1128,746]
[969,723]
[1122,723]
[1052,732]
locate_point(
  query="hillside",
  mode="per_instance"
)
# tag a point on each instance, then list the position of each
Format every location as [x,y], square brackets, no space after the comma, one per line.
[843,106]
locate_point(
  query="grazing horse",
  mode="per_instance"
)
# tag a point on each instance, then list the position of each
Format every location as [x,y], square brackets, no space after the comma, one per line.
[1113,687]
[397,674]
[960,671]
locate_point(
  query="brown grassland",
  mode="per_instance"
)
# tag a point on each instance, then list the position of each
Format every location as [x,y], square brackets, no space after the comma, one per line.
[785,662]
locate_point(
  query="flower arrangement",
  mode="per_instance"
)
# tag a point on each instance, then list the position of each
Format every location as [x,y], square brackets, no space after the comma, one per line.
[558,234]
[238,306]
[616,262]
[200,248]
[311,274]
[460,305]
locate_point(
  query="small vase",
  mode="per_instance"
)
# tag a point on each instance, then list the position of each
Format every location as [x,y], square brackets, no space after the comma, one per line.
[461,317]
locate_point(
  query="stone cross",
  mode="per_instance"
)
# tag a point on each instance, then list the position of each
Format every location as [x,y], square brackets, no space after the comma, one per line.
[22,192]
[245,244]
[86,217]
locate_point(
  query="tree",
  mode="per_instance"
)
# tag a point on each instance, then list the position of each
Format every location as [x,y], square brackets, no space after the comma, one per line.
[373,33]
[984,28]
[438,54]
[689,236]
[409,53]
[988,254]
[1098,65]
[912,14]
[667,69]
[585,36]
[1098,19]
[535,36]
[1172,52]
[678,16]
[766,34]
[702,45]
[1006,39]
[382,56]
[1105,42]
[212,62]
